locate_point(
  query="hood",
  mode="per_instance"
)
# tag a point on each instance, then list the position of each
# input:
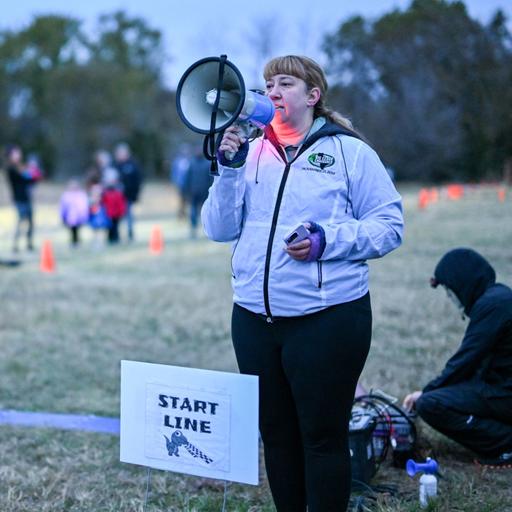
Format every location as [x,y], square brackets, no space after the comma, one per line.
[329,129]
[466,273]
[326,130]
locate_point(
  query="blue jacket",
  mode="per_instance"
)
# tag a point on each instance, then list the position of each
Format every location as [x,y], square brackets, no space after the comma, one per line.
[335,180]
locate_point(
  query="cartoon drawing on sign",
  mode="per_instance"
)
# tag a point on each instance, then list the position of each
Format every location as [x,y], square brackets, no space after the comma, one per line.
[177,440]
[203,417]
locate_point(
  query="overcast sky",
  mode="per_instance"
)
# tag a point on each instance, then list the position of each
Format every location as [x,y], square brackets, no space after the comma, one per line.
[193,29]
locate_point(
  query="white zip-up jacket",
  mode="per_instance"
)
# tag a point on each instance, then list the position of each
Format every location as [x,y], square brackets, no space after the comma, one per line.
[335,180]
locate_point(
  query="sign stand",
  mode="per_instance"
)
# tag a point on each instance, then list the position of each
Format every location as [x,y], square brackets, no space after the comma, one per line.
[148,487]
[225,496]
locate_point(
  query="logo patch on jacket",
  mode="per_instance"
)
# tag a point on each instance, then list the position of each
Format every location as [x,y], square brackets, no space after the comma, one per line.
[321,160]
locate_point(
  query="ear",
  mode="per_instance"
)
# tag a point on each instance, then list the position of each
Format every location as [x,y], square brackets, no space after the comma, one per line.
[313,96]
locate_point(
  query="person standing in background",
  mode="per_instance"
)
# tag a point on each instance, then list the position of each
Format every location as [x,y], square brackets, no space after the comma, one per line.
[21,180]
[101,162]
[178,176]
[131,180]
[197,182]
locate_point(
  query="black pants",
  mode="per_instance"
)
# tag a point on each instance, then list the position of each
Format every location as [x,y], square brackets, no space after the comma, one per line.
[195,208]
[75,235]
[469,414]
[113,231]
[308,369]
[25,215]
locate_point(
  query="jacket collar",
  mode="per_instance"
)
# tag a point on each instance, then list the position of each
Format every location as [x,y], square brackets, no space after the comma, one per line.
[327,130]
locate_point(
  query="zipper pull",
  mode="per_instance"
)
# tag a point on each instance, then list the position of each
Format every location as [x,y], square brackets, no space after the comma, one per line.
[319,270]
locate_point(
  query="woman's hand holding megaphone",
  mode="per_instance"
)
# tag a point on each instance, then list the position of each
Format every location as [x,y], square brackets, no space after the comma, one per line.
[233,147]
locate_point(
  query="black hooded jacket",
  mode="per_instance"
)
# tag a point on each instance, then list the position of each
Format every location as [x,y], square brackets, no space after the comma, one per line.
[485,353]
[131,178]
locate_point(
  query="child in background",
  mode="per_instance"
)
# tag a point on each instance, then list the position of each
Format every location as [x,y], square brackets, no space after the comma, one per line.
[33,169]
[114,203]
[98,219]
[74,209]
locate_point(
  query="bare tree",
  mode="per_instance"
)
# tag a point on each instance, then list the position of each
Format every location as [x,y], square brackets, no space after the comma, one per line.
[263,41]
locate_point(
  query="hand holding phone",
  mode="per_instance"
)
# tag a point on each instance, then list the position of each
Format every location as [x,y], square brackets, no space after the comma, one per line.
[297,234]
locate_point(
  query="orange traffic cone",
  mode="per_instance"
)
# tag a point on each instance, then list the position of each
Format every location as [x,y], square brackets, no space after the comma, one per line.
[501,194]
[156,242]
[423,198]
[455,191]
[47,259]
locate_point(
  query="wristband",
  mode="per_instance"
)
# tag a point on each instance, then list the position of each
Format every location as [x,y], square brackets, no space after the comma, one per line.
[317,238]
[239,158]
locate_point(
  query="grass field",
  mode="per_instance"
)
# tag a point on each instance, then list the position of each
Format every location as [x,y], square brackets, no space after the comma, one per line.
[62,337]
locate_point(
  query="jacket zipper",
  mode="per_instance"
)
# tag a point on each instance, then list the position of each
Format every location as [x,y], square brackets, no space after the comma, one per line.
[319,269]
[273,140]
[275,216]
[271,241]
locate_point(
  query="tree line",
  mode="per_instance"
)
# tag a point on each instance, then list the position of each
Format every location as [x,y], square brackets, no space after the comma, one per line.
[64,94]
[428,86]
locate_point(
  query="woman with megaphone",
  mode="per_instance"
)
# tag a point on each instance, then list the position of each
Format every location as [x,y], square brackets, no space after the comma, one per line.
[306,205]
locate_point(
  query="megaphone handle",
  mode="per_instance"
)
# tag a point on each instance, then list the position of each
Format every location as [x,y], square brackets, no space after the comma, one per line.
[210,138]
[244,133]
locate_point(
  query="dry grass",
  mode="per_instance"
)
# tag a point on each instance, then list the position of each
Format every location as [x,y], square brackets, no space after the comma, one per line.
[62,337]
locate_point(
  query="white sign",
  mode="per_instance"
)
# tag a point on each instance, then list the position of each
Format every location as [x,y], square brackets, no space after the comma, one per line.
[199,422]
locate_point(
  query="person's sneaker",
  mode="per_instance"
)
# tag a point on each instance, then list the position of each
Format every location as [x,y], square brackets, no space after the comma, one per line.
[501,461]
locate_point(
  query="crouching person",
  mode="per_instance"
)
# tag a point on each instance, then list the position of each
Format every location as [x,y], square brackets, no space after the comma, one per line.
[471,401]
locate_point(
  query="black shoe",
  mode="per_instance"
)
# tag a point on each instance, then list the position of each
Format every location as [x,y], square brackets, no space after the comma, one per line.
[501,461]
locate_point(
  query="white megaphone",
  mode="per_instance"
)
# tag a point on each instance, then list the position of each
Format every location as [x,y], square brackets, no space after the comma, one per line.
[211,96]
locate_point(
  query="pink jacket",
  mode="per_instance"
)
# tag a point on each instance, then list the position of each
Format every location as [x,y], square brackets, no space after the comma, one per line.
[74,207]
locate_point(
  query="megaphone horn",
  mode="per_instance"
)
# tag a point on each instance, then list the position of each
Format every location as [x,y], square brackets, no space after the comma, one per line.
[198,81]
[211,96]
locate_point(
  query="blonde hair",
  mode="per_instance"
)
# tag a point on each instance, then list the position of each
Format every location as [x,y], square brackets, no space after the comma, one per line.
[308,70]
